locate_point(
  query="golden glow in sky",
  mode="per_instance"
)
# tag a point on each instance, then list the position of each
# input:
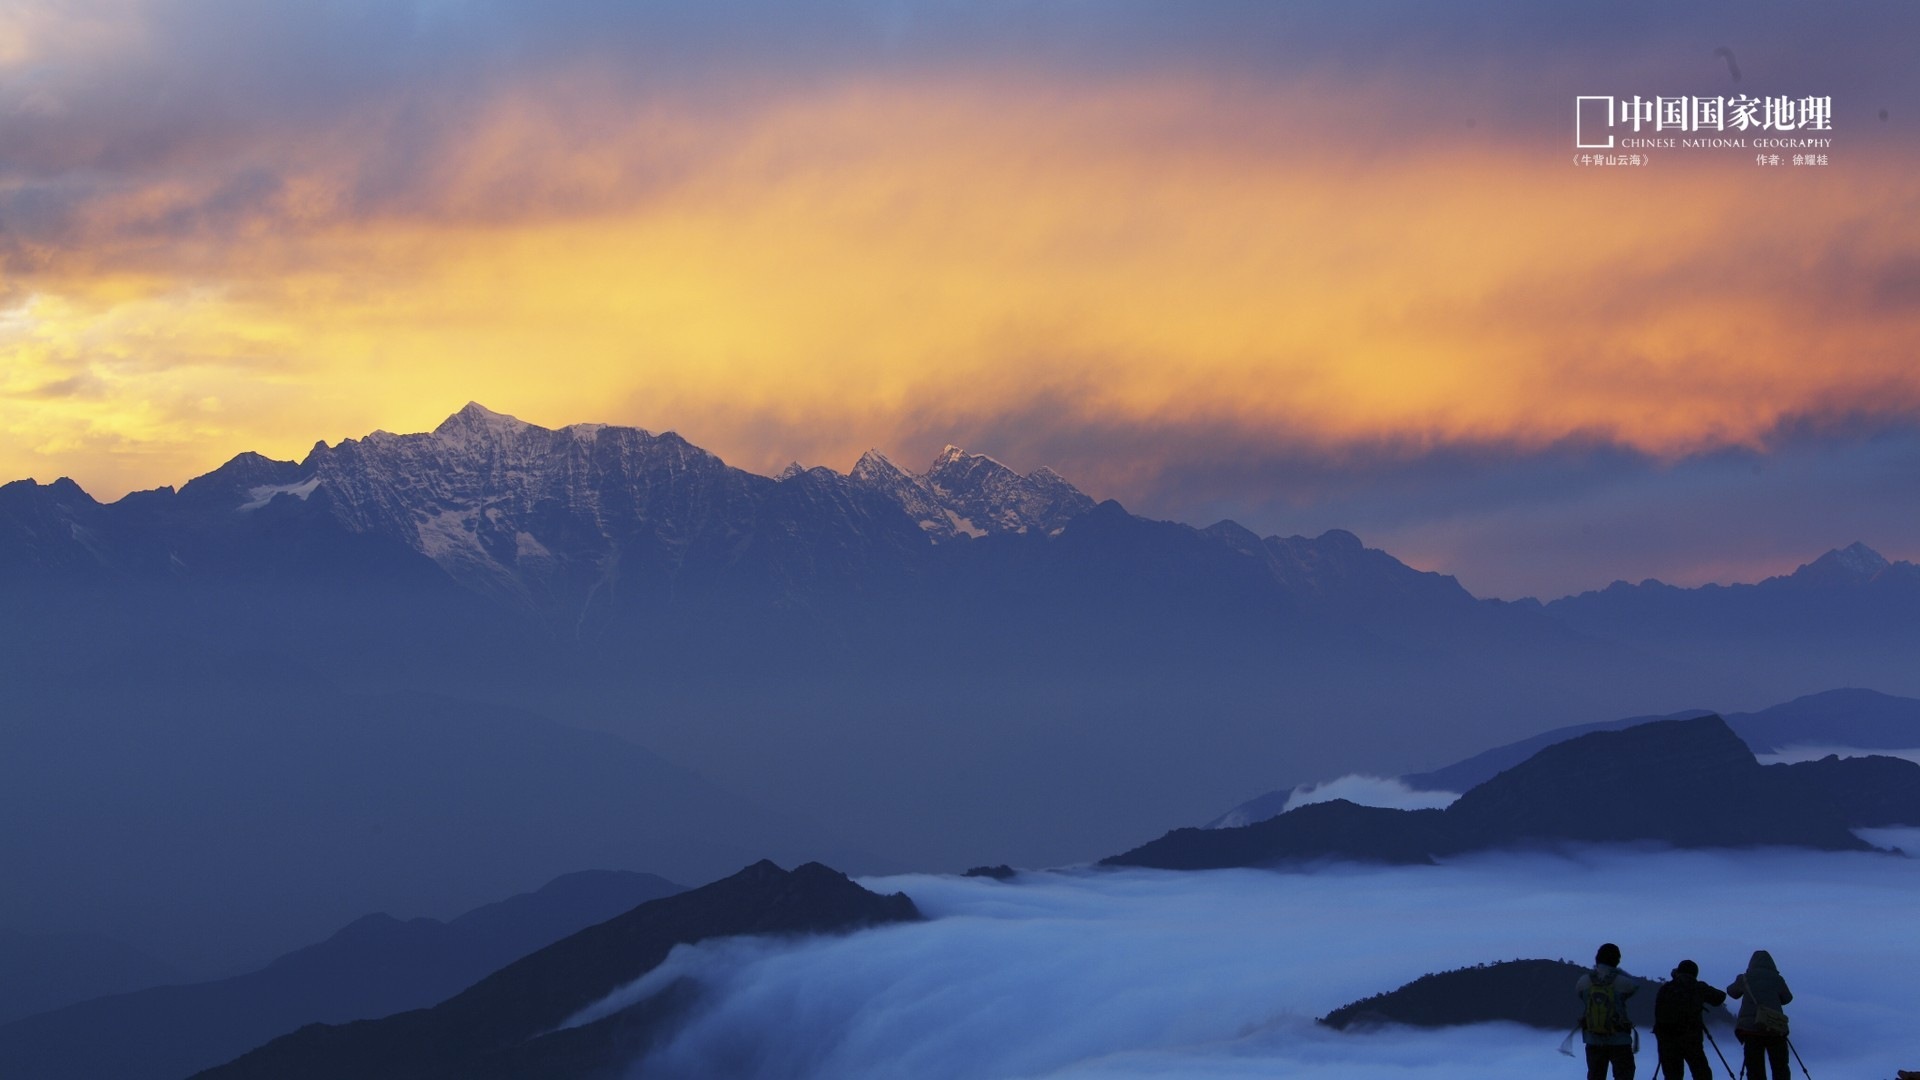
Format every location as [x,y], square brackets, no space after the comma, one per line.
[908,256]
[839,271]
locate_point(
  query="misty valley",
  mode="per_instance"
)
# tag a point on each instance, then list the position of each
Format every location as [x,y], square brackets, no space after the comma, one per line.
[508,751]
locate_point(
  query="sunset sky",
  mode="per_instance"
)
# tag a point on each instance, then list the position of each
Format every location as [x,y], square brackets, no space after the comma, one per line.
[1302,265]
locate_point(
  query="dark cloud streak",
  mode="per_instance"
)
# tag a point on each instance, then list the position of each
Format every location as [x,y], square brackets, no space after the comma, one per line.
[210,94]
[213,72]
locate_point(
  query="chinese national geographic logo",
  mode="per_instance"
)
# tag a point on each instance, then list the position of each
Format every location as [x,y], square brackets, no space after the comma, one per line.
[1607,123]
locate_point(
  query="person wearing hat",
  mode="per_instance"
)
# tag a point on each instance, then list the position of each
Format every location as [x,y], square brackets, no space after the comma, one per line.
[1762,1025]
[1679,1023]
[1604,1026]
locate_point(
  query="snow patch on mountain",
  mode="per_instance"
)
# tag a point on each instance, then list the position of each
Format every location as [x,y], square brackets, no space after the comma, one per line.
[260,496]
[965,526]
[449,535]
[527,546]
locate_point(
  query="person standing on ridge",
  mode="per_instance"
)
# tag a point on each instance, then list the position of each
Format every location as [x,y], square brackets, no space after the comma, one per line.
[1762,1025]
[1679,1029]
[1604,1025]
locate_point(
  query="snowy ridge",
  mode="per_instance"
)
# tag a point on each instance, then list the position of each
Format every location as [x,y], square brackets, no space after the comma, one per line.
[561,521]
[973,495]
[512,508]
[263,494]
[548,518]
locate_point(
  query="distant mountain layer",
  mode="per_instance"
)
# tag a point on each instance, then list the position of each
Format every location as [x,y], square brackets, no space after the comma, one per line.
[924,663]
[45,971]
[1851,719]
[509,1024]
[377,966]
[259,809]
[1849,612]
[1688,783]
[1820,590]
[556,521]
[1537,993]
[903,654]
[1858,719]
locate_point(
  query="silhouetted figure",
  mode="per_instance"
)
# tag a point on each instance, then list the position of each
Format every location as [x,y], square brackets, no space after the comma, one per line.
[1604,1025]
[1761,1026]
[1679,1023]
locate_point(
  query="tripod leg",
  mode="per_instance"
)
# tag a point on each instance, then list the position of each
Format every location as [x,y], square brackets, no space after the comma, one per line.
[1801,1060]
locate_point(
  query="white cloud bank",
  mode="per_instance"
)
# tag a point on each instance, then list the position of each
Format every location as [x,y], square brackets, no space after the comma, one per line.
[1371,791]
[1137,974]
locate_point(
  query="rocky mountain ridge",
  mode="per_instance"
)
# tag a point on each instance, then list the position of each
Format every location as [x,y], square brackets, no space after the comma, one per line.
[519,511]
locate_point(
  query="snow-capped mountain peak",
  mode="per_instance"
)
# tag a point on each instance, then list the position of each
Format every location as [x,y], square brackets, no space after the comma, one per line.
[474,417]
[502,504]
[873,465]
[557,520]
[965,494]
[1854,563]
[956,466]
[876,472]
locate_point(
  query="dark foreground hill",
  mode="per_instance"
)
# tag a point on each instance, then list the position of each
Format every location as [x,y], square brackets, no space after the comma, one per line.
[1687,783]
[508,1024]
[377,966]
[1537,993]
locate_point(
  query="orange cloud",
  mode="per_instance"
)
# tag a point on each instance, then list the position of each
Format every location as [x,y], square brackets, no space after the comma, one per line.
[808,275]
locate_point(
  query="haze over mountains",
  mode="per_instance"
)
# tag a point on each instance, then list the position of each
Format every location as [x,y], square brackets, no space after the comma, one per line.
[941,669]
[375,966]
[1685,783]
[1847,618]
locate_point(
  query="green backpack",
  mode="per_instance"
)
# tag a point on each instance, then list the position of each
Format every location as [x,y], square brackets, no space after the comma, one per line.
[1604,1015]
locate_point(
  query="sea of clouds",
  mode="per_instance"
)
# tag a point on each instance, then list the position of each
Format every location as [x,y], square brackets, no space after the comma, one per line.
[1141,973]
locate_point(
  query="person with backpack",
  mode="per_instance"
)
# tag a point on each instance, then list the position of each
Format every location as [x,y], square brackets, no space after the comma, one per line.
[1679,1028]
[1604,1025]
[1761,1026]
